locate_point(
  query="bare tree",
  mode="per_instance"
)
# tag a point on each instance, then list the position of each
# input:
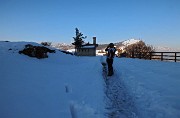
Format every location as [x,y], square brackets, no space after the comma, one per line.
[139,50]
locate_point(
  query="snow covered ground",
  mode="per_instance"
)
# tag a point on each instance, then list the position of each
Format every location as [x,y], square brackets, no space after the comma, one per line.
[66,86]
[153,86]
[55,87]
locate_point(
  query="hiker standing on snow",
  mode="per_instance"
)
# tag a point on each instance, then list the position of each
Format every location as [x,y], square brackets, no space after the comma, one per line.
[110,56]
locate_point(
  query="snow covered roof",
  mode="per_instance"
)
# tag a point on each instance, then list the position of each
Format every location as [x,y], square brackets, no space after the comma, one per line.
[89,46]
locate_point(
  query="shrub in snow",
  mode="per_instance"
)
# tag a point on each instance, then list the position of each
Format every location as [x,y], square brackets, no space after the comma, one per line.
[139,50]
[36,51]
[46,43]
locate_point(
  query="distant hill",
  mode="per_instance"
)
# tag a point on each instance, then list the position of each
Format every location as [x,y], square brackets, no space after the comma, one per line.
[121,44]
[64,46]
[166,49]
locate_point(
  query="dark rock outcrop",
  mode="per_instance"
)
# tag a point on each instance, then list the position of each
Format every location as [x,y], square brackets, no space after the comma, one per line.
[36,51]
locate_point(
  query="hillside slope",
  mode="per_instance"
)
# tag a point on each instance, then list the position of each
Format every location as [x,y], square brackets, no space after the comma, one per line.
[59,86]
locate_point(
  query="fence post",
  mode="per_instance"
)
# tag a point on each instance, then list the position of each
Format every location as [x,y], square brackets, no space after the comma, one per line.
[175,57]
[150,54]
[140,55]
[161,56]
[132,54]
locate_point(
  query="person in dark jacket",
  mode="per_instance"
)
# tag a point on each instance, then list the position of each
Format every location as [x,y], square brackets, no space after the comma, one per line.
[110,56]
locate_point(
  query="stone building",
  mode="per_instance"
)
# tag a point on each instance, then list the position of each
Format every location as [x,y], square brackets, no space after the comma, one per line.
[87,49]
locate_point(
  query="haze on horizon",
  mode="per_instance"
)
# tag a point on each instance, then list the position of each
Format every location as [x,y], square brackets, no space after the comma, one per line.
[157,22]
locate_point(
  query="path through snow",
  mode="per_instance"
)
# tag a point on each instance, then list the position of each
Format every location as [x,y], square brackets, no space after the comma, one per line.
[119,104]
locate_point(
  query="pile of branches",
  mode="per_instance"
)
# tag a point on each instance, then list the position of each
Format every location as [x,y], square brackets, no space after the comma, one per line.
[36,51]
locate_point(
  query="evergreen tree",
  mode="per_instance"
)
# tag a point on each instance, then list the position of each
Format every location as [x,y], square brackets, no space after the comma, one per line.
[78,39]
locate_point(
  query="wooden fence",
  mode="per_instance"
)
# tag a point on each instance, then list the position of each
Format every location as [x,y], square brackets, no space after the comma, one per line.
[163,56]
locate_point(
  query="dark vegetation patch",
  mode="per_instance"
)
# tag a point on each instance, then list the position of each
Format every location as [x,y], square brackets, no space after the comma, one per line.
[36,51]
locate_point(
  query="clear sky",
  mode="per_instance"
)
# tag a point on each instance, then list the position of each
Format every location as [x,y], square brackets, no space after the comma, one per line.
[157,22]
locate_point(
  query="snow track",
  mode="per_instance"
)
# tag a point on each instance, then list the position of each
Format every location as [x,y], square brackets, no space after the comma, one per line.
[119,104]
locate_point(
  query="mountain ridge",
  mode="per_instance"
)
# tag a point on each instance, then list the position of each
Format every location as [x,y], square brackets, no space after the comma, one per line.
[120,44]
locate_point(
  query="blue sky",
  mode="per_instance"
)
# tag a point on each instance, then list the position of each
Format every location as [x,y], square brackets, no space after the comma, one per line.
[157,22]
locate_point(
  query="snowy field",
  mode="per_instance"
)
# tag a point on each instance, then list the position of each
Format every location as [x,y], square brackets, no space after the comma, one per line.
[65,86]
[152,85]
